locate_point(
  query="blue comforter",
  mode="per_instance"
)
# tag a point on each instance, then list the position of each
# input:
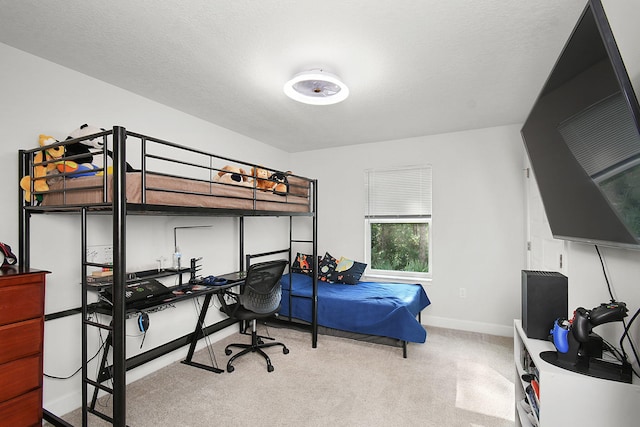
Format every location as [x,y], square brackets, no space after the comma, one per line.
[374,308]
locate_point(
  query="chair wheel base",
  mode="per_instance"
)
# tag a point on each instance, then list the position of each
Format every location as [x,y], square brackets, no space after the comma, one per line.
[257,346]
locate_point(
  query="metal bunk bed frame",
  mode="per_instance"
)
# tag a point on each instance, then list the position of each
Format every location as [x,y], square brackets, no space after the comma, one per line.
[119,209]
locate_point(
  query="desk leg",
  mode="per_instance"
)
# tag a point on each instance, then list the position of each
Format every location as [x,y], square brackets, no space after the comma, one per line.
[197,334]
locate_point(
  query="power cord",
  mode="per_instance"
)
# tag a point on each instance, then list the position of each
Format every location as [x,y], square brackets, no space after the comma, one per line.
[54,377]
[627,326]
[626,334]
[604,273]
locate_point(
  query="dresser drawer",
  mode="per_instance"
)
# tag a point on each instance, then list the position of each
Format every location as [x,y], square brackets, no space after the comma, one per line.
[20,339]
[21,302]
[25,410]
[14,277]
[20,376]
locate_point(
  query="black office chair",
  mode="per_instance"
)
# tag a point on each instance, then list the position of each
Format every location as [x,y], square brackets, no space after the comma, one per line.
[259,298]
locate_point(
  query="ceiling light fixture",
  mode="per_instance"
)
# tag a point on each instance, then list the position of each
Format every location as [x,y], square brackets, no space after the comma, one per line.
[316,87]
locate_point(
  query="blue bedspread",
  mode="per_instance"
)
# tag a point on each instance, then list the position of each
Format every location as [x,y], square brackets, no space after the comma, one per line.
[374,308]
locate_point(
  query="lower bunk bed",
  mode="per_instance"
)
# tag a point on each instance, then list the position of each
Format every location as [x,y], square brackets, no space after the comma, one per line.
[385,313]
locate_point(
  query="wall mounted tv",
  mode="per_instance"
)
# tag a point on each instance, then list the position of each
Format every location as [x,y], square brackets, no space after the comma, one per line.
[583,140]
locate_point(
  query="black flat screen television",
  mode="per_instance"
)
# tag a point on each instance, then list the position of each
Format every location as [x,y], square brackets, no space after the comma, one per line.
[582,137]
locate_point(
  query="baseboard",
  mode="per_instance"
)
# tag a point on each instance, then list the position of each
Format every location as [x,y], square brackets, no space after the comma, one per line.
[467,325]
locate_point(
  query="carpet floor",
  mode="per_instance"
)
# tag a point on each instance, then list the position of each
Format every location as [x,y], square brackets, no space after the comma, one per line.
[455,379]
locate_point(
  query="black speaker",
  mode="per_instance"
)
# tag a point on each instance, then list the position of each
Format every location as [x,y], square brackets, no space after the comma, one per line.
[544,299]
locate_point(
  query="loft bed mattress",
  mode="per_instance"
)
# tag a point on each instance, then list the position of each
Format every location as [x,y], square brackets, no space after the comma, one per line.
[373,308]
[175,191]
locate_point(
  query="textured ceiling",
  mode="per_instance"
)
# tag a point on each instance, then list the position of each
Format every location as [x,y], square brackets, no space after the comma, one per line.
[413,67]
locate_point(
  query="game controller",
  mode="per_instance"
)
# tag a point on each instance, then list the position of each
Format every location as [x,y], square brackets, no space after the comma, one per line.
[608,312]
[584,320]
[559,332]
[581,324]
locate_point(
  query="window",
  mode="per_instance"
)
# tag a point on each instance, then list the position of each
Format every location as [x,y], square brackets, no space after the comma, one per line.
[398,221]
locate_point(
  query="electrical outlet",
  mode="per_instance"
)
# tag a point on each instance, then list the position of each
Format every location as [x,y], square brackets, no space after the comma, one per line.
[463,292]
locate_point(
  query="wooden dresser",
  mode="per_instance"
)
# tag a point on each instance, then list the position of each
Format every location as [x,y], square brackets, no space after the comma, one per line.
[21,337]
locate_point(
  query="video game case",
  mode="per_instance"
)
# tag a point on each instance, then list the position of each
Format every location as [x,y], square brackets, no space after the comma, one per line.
[533,401]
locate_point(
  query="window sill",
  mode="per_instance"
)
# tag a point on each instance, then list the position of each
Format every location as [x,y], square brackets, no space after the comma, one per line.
[401,279]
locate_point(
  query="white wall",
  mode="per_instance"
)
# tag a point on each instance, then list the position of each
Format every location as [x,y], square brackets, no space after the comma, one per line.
[478,217]
[41,97]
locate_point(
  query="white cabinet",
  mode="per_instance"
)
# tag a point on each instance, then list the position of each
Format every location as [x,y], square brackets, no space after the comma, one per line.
[568,398]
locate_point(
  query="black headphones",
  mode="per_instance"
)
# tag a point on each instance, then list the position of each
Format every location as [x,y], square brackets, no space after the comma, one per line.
[143,322]
[216,281]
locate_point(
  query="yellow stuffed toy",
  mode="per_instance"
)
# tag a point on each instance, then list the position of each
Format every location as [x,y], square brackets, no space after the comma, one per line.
[41,171]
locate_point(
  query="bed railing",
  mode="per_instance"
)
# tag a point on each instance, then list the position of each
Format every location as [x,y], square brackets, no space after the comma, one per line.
[155,167]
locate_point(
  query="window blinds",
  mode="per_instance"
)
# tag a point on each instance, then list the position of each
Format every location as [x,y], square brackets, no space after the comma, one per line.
[398,193]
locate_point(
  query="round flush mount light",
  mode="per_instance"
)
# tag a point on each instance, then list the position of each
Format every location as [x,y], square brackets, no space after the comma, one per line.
[316,87]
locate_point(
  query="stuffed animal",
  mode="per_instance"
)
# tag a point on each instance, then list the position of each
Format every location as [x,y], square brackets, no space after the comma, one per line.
[83,148]
[76,170]
[233,175]
[92,149]
[280,182]
[78,158]
[41,171]
[261,177]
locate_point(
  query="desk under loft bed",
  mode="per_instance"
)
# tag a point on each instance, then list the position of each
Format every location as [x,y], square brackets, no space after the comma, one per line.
[151,176]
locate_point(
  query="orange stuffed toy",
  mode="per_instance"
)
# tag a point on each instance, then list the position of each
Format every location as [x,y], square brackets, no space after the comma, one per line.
[261,177]
[41,171]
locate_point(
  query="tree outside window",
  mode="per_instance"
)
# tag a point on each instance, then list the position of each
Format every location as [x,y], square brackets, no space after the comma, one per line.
[400,246]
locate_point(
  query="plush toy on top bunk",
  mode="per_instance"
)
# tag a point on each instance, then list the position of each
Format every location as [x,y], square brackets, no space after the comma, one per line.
[40,172]
[81,158]
[275,182]
[91,154]
[233,175]
[280,181]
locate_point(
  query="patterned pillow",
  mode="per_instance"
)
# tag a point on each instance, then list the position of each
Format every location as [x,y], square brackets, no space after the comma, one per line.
[326,267]
[303,264]
[348,271]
